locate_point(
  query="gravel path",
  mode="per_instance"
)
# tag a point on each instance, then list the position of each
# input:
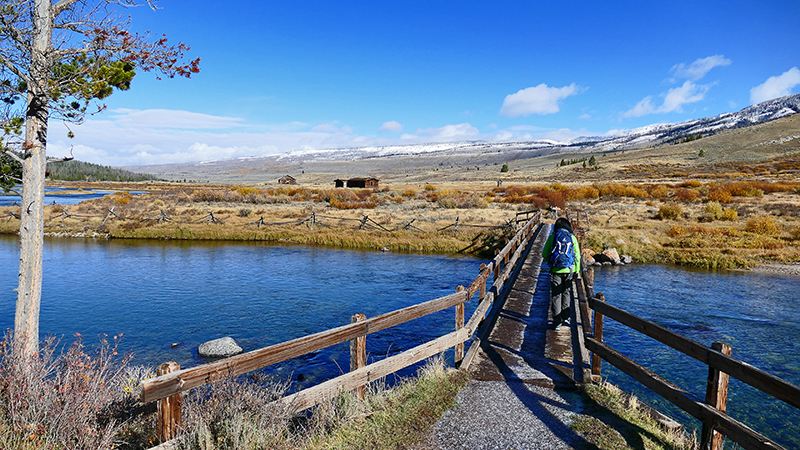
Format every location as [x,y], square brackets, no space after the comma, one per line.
[508,415]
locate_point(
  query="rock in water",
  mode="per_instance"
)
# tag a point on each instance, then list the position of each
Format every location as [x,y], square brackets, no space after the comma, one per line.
[219,348]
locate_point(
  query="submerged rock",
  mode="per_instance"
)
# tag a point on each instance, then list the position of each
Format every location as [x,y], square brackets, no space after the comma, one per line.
[219,348]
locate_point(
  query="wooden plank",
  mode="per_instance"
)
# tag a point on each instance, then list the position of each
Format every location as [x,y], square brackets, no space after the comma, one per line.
[173,383]
[331,388]
[767,383]
[716,397]
[730,427]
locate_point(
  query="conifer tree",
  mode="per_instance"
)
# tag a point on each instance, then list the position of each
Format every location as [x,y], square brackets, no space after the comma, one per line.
[57,61]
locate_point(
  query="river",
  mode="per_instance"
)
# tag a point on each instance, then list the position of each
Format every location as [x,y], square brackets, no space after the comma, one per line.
[160,293]
[167,297]
[758,315]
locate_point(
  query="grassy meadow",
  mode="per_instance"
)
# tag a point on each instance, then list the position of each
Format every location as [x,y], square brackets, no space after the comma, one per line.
[709,223]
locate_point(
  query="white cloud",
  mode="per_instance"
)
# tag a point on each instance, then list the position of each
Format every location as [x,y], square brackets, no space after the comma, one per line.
[674,100]
[540,99]
[776,86]
[460,132]
[391,126]
[688,92]
[163,118]
[679,96]
[699,68]
[643,108]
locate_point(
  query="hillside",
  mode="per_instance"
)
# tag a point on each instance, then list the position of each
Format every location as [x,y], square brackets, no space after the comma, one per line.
[755,134]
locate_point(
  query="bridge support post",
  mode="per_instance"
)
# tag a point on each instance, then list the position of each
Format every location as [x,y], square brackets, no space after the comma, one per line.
[169,409]
[459,348]
[598,335]
[716,397]
[358,353]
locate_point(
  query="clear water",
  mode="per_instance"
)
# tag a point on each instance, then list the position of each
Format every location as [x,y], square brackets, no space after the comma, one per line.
[758,315]
[160,293]
[65,196]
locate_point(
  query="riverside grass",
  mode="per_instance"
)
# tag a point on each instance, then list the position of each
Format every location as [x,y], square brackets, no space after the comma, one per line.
[726,224]
[613,420]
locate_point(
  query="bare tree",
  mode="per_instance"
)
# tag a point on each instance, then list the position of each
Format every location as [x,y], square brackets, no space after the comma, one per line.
[58,60]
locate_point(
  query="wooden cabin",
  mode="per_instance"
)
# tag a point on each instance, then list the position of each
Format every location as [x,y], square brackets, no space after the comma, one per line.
[370,182]
[288,179]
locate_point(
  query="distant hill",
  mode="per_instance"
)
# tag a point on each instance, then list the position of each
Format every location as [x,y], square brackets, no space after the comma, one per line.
[407,162]
[83,171]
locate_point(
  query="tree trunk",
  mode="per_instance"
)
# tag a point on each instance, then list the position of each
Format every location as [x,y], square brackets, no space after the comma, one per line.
[31,227]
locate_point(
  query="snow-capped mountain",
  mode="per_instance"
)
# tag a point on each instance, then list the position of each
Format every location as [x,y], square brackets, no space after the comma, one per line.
[629,139]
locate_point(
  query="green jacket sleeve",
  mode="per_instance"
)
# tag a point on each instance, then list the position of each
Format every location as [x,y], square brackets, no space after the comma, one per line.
[576,268]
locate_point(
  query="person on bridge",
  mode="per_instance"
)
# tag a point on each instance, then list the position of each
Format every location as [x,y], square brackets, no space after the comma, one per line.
[563,255]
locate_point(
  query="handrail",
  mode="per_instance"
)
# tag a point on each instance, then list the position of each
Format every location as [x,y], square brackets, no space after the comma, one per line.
[170,385]
[713,419]
[757,378]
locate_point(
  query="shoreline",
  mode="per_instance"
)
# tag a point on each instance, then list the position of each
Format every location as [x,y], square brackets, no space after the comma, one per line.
[777,269]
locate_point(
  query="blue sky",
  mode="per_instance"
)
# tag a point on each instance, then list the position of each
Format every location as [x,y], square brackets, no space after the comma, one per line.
[281,76]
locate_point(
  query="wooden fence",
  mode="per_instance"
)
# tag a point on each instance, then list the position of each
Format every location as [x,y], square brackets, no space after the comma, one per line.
[716,423]
[166,388]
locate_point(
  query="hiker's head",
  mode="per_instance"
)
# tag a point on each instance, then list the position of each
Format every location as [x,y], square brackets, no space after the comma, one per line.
[563,223]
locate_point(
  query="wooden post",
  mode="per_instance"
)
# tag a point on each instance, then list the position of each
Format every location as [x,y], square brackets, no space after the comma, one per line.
[598,335]
[589,282]
[716,397]
[358,353]
[496,265]
[313,219]
[459,348]
[169,409]
[482,289]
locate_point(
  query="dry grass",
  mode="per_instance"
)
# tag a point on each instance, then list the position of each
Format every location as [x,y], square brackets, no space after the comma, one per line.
[614,421]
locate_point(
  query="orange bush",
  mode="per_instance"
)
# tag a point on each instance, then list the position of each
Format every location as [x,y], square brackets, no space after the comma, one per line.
[720,195]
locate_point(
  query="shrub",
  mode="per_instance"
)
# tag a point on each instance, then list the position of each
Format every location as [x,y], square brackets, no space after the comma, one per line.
[720,195]
[455,199]
[409,193]
[60,401]
[763,225]
[713,210]
[729,214]
[669,211]
[504,168]
[687,195]
[430,188]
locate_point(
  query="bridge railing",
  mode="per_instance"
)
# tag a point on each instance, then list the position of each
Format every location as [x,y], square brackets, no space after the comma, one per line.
[172,381]
[716,423]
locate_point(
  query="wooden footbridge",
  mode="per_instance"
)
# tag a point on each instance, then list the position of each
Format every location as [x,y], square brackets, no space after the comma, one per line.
[507,338]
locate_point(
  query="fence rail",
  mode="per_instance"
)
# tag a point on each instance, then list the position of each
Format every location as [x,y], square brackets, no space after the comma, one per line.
[716,423]
[168,386]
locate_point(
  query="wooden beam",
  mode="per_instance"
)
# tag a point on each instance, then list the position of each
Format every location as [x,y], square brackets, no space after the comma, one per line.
[331,388]
[730,427]
[173,383]
[358,353]
[169,409]
[763,381]
[716,397]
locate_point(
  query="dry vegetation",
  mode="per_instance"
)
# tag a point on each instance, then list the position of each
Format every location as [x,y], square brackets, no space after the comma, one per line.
[703,223]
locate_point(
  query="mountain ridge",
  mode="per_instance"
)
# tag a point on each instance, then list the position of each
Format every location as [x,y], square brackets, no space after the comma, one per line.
[481,151]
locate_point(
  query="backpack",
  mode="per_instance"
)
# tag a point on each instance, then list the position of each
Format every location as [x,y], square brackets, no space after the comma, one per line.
[562,253]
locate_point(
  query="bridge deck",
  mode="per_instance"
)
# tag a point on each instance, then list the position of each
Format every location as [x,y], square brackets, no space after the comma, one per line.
[521,396]
[522,346]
